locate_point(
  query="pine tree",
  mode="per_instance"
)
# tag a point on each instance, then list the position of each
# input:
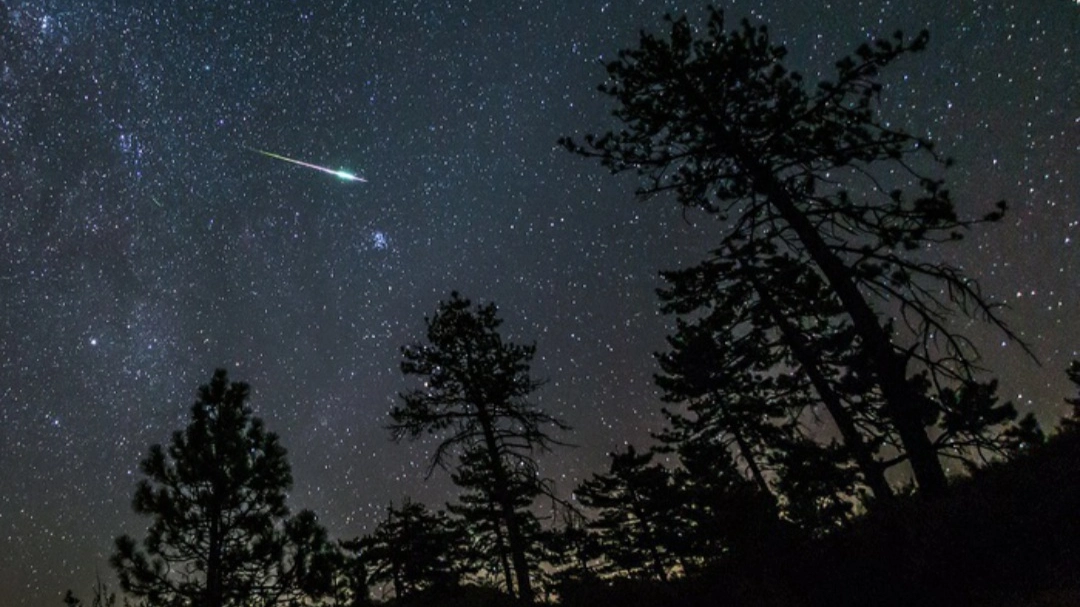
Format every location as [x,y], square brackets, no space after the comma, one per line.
[970,408]
[412,549]
[723,513]
[637,525]
[351,582]
[814,174]
[714,369]
[818,485]
[570,550]
[221,534]
[473,395]
[481,517]
[755,366]
[1073,373]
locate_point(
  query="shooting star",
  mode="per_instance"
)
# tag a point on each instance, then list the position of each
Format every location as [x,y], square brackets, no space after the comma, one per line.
[344,175]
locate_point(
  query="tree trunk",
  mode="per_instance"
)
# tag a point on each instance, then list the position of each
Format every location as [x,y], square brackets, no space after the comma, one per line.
[873,472]
[751,463]
[504,561]
[214,596]
[887,366]
[506,503]
[399,584]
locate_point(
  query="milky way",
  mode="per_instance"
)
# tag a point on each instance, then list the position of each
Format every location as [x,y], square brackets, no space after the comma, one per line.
[143,246]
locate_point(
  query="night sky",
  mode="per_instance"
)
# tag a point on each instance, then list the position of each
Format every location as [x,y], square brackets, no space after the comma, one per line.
[144,244]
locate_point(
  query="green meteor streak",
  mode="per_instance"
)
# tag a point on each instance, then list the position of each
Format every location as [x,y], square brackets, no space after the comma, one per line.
[345,175]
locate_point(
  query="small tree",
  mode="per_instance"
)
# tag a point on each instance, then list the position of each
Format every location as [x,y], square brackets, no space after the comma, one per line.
[474,394]
[722,512]
[971,408]
[103,596]
[638,527]
[351,582]
[570,549]
[221,534]
[818,489]
[412,549]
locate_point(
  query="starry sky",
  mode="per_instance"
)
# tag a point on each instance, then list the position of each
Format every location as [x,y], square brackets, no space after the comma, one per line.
[144,243]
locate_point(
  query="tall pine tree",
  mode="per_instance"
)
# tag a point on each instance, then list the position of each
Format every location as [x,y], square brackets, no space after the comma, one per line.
[474,395]
[716,118]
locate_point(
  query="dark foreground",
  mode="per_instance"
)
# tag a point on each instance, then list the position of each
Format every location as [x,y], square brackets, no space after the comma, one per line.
[1009,535]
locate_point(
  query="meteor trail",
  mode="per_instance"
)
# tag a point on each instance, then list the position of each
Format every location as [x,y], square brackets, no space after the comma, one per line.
[345,175]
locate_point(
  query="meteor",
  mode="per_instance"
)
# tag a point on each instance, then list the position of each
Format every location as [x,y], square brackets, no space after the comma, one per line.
[344,175]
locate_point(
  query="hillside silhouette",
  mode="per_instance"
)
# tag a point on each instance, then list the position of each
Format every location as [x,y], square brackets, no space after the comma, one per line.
[1009,534]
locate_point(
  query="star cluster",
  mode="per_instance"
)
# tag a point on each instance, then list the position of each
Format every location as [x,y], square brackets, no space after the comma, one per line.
[145,244]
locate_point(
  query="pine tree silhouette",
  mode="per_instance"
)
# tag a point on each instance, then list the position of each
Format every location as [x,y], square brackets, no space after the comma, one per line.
[473,395]
[812,173]
[221,534]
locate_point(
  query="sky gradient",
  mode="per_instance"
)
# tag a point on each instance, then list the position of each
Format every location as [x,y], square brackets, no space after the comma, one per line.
[146,242]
